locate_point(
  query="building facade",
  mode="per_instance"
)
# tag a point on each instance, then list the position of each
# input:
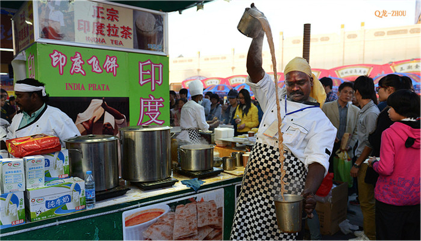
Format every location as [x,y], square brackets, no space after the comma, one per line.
[364,46]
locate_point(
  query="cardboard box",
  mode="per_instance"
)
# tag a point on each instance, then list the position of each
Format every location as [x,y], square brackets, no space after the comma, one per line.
[12,209]
[57,164]
[12,175]
[331,214]
[56,200]
[34,171]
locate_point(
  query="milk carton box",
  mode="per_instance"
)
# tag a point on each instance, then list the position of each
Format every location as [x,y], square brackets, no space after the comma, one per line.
[57,164]
[34,171]
[12,209]
[12,175]
[4,154]
[56,200]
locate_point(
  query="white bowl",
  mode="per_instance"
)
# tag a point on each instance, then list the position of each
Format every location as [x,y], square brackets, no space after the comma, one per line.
[135,232]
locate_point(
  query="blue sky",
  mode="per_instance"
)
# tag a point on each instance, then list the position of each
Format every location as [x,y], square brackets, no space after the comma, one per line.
[214,31]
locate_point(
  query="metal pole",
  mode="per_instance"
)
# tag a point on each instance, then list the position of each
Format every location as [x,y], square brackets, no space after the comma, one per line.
[306,42]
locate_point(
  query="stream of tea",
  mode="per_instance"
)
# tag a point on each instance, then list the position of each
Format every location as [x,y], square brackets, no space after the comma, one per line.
[266,27]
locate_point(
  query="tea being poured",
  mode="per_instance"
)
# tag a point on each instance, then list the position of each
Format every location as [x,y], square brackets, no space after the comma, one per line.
[250,25]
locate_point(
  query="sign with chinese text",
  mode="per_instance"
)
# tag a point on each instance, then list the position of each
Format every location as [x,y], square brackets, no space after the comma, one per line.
[407,66]
[97,23]
[236,80]
[94,73]
[23,25]
[213,81]
[148,88]
[353,71]
[103,24]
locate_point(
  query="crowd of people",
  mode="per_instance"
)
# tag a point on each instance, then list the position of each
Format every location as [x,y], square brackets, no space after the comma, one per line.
[383,140]
[239,111]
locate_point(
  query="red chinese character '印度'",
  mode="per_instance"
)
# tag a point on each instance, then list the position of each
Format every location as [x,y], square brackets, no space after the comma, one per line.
[152,106]
[83,25]
[154,79]
[98,28]
[77,63]
[58,59]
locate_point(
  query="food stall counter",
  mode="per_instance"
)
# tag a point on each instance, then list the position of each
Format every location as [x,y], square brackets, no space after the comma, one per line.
[105,221]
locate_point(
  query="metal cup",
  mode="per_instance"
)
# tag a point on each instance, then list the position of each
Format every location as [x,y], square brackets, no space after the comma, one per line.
[248,24]
[228,163]
[238,158]
[289,212]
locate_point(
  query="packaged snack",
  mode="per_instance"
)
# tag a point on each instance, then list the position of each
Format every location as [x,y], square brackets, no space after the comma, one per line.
[33,145]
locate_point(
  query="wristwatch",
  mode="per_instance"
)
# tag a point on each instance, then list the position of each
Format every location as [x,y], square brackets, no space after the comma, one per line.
[356,165]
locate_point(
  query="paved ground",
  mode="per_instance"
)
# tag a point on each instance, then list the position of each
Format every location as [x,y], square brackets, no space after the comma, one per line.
[355,219]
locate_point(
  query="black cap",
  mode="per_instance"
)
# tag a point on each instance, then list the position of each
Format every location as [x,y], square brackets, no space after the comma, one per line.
[233,93]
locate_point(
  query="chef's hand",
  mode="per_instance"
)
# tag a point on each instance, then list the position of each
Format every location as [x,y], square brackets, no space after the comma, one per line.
[237,121]
[240,127]
[309,203]
[354,171]
[104,104]
[89,124]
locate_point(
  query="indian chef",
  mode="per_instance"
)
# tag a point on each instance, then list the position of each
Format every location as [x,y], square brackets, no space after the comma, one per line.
[308,138]
[193,116]
[36,117]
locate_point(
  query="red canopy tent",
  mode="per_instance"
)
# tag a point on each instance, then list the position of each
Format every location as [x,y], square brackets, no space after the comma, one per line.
[213,81]
[406,66]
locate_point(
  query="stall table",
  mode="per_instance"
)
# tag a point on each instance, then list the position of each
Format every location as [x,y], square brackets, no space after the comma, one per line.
[105,220]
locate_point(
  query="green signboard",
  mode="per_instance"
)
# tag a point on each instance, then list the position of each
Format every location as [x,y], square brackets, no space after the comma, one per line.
[78,74]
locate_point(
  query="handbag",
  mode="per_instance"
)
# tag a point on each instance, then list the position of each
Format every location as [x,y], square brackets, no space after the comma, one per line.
[371,176]
[342,168]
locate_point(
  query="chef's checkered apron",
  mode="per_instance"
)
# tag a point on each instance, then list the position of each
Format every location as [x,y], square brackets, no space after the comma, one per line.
[194,136]
[255,217]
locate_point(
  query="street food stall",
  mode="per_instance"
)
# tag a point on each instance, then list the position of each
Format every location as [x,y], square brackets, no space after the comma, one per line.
[106,64]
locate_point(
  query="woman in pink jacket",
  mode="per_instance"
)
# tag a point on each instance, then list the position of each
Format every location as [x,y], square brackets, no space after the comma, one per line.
[397,191]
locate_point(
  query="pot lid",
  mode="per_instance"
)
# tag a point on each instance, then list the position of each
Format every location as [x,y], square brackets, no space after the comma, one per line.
[197,146]
[145,128]
[91,139]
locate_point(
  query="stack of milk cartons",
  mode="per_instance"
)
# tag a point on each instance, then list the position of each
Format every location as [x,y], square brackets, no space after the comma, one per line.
[59,197]
[60,194]
[57,165]
[12,187]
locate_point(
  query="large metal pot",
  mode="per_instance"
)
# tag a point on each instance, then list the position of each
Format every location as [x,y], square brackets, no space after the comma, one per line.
[146,153]
[196,157]
[96,153]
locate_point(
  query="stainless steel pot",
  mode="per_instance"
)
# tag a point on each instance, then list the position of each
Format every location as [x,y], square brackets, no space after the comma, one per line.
[196,157]
[146,153]
[96,153]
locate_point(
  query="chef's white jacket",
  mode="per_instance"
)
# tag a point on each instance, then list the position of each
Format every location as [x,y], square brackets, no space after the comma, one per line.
[52,122]
[308,133]
[192,117]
